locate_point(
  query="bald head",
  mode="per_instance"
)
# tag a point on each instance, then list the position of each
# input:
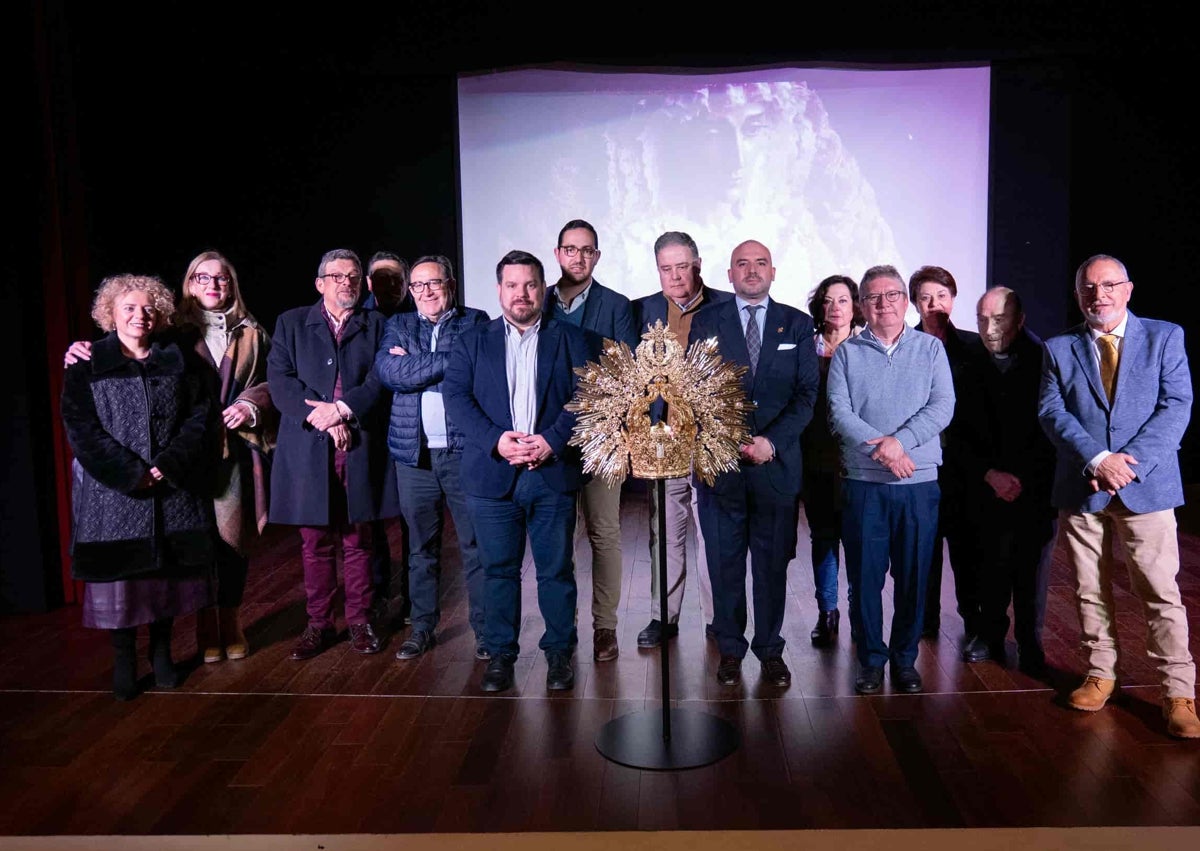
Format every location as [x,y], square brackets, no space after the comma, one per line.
[1000,318]
[750,271]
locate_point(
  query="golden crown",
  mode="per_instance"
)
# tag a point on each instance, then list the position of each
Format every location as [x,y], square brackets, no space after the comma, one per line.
[697,400]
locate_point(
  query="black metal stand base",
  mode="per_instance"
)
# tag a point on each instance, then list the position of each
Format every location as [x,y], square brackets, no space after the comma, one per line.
[696,739]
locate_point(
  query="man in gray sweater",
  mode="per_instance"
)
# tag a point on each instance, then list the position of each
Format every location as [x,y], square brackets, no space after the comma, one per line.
[890,397]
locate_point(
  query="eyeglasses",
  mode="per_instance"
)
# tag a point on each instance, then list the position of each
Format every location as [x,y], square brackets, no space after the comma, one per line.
[342,277]
[204,280]
[1105,286]
[587,251]
[435,284]
[876,300]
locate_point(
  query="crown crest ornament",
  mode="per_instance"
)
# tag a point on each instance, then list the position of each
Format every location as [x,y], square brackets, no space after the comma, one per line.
[701,427]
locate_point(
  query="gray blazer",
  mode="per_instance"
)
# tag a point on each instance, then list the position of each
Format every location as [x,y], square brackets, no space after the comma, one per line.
[1147,418]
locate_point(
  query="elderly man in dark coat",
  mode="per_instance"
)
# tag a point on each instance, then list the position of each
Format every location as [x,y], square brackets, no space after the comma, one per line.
[330,475]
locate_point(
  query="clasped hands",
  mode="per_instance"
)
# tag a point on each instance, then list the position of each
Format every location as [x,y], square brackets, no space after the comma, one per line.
[1113,473]
[890,453]
[522,449]
[326,417]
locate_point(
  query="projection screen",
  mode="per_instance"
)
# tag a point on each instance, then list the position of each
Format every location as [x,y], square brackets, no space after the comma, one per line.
[834,169]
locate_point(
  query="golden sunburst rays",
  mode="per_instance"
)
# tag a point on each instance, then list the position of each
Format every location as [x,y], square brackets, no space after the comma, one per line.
[697,399]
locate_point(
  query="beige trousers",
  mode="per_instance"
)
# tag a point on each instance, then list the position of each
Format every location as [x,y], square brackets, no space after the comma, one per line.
[682,523]
[1152,555]
[600,509]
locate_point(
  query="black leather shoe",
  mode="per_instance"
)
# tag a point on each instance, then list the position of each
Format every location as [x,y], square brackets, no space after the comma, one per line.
[976,650]
[364,639]
[826,630]
[498,675]
[312,642]
[729,671]
[869,681]
[775,671]
[906,679]
[655,633]
[481,651]
[416,644]
[560,676]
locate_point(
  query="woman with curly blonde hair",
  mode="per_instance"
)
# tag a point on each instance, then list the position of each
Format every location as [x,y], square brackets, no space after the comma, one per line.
[138,417]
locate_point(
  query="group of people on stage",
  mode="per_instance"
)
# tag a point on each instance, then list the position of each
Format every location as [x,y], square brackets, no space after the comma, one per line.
[894,439]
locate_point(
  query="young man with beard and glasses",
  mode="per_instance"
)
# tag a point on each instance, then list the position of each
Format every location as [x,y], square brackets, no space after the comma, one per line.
[579,299]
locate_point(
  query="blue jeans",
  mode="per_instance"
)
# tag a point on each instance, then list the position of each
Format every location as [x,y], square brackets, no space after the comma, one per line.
[547,517]
[425,492]
[822,509]
[888,525]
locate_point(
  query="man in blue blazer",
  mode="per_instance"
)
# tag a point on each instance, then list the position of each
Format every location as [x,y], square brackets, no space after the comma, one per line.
[754,507]
[683,294]
[1115,400]
[506,387]
[579,299]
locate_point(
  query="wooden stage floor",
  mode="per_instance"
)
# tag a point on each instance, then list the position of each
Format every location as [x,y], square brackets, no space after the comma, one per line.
[353,745]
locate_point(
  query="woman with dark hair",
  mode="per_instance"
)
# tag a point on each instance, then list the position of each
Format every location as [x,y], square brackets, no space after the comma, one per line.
[139,419]
[835,312]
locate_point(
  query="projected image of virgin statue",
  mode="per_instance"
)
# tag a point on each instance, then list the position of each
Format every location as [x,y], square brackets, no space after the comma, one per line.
[720,161]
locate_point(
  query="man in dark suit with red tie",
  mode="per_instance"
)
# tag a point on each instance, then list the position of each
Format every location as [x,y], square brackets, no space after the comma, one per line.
[753,509]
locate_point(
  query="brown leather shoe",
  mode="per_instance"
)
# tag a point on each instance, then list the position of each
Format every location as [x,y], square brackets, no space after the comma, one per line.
[364,640]
[604,645]
[729,671]
[312,642]
[1093,694]
[1180,713]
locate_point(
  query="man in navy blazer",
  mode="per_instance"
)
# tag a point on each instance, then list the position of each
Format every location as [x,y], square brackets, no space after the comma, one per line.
[683,294]
[1115,400]
[506,387]
[579,299]
[754,507]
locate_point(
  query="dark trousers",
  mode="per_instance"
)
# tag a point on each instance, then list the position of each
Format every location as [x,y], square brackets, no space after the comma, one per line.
[953,529]
[1009,572]
[232,568]
[547,518]
[425,492]
[888,527]
[747,514]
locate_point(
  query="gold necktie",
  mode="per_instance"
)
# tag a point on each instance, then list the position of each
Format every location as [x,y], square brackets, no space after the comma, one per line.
[1108,363]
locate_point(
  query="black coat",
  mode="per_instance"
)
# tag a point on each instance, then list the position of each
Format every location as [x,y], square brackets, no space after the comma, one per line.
[123,417]
[304,364]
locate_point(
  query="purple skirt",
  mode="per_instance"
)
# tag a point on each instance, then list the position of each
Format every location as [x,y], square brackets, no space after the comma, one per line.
[132,602]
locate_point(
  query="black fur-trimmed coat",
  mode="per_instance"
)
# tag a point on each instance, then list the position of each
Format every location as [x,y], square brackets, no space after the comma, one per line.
[123,417]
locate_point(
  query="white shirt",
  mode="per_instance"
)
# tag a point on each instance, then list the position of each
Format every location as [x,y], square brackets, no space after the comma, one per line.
[1096,334]
[520,361]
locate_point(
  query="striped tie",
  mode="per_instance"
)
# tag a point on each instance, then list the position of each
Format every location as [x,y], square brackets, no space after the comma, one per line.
[753,337]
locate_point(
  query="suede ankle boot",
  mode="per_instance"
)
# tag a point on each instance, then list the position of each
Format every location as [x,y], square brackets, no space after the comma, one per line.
[232,638]
[165,675]
[124,663]
[208,635]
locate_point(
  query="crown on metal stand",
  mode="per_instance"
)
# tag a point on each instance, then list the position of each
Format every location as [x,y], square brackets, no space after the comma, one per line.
[658,411]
